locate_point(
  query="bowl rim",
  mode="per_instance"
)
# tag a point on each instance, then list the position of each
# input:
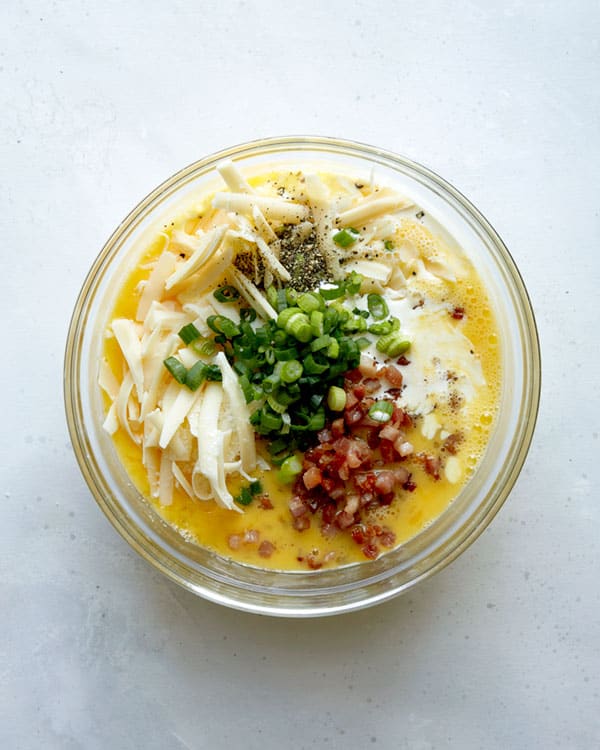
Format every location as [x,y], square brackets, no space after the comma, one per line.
[274,145]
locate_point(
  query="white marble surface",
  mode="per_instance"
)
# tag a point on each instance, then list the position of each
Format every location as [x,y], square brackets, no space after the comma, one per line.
[103,100]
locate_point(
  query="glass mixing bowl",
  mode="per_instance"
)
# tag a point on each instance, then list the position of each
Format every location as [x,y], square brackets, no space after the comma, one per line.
[321,592]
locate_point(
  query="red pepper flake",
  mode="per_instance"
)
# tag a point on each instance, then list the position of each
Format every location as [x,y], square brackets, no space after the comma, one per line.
[458,313]
[403,361]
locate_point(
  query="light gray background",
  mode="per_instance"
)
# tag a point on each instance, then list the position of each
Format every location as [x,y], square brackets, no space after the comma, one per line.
[103,100]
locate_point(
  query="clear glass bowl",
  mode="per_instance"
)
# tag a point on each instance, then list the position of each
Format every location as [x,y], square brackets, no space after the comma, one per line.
[322,592]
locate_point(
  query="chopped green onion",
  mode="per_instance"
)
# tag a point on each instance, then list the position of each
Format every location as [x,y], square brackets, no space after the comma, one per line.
[392,344]
[226,294]
[381,329]
[388,244]
[398,348]
[213,372]
[247,388]
[321,343]
[283,355]
[245,496]
[336,398]
[298,325]
[377,306]
[333,350]
[282,301]
[290,371]
[270,382]
[353,283]
[255,488]
[248,314]
[270,421]
[381,411]
[346,237]
[277,406]
[189,333]
[287,421]
[317,421]
[309,301]
[334,292]
[176,368]
[312,367]
[363,342]
[290,468]
[204,347]
[285,315]
[221,324]
[272,296]
[196,375]
[276,446]
[317,323]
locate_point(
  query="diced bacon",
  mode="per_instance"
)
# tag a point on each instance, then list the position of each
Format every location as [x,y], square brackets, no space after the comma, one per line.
[387,538]
[393,375]
[354,375]
[329,530]
[313,560]
[388,452]
[403,447]
[251,536]
[312,477]
[389,433]
[352,504]
[373,437]
[337,428]
[301,523]
[401,476]
[297,506]
[358,534]
[359,391]
[354,415]
[328,513]
[371,385]
[385,482]
[368,367]
[344,520]
[452,442]
[325,436]
[266,548]
[351,400]
[432,466]
[234,541]
[371,551]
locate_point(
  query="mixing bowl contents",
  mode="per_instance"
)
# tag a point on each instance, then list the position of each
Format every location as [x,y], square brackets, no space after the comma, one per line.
[302,370]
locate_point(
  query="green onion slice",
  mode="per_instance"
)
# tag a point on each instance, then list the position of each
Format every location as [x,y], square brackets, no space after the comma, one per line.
[189,333]
[176,368]
[245,496]
[381,411]
[290,371]
[290,469]
[336,398]
[377,306]
[196,375]
[226,294]
[346,237]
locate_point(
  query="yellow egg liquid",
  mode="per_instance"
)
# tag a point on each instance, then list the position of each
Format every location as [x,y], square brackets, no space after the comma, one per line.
[210,526]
